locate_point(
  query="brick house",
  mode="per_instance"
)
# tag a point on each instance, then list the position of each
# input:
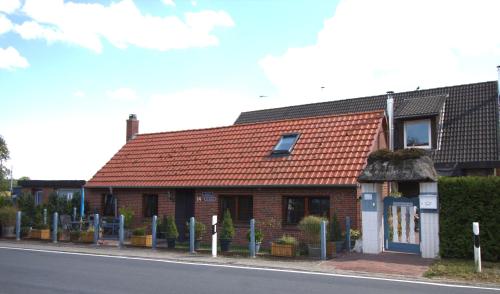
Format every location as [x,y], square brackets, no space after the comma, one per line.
[41,189]
[276,172]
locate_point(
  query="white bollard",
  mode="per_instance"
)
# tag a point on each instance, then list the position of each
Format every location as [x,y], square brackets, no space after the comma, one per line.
[477,247]
[214,236]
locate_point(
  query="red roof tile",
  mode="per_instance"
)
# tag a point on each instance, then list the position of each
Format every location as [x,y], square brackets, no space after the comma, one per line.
[331,150]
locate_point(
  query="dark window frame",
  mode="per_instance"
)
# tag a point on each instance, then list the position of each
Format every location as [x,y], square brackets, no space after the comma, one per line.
[306,204]
[292,145]
[105,211]
[236,217]
[145,205]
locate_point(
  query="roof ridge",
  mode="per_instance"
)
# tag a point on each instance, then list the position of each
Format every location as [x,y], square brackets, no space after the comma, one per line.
[263,123]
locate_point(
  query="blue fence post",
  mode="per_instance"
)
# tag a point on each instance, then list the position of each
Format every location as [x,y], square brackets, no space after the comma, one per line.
[191,235]
[121,232]
[153,232]
[54,227]
[323,240]
[96,228]
[348,233]
[45,216]
[252,237]
[18,225]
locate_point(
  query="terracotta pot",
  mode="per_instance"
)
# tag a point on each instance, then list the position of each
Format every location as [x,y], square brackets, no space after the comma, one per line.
[286,250]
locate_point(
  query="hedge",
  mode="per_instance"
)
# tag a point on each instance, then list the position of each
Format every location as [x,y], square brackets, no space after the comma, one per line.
[464,200]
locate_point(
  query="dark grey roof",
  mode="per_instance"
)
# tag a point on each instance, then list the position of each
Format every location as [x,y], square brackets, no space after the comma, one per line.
[470,123]
[57,184]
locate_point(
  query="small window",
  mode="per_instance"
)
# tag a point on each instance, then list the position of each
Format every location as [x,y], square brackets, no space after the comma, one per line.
[296,208]
[285,144]
[240,207]
[38,197]
[109,206]
[417,134]
[150,205]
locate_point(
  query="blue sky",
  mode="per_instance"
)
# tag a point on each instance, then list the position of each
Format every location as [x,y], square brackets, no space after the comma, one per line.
[71,72]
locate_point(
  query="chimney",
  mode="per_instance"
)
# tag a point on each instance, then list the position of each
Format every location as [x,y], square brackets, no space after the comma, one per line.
[132,127]
[390,118]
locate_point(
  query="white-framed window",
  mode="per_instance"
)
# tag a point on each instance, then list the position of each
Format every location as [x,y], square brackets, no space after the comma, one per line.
[417,134]
[38,197]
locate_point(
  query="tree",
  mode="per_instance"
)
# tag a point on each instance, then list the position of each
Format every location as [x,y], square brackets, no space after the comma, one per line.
[4,155]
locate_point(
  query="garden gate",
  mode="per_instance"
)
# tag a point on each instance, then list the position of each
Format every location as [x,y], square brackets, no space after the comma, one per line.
[401,224]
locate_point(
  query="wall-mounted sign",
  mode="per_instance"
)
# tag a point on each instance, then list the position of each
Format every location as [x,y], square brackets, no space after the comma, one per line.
[208,196]
[428,201]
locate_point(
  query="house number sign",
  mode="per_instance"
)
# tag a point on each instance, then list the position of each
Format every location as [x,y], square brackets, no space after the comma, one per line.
[208,196]
[428,201]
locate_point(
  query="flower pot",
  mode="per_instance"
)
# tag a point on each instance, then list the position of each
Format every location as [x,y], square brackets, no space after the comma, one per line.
[63,235]
[74,236]
[314,251]
[87,237]
[225,245]
[8,231]
[257,247]
[171,243]
[40,234]
[286,250]
[142,241]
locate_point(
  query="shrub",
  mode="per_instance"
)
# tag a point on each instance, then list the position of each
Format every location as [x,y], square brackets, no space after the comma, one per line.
[8,216]
[139,232]
[463,200]
[311,226]
[38,221]
[259,237]
[199,229]
[171,232]
[5,201]
[26,204]
[286,240]
[227,231]
[128,215]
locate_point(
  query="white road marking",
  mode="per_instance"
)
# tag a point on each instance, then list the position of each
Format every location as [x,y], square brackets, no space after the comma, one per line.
[253,268]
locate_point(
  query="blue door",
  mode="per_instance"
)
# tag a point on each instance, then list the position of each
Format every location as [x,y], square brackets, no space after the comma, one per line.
[401,224]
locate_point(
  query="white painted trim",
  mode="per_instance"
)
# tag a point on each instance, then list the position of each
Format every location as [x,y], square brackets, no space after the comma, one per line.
[410,122]
[255,268]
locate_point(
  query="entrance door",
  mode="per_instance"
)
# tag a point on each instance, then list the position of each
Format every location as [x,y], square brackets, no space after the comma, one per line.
[184,210]
[401,224]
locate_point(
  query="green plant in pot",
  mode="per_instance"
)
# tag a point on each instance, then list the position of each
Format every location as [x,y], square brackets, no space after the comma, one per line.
[311,228]
[8,220]
[199,229]
[128,216]
[227,232]
[171,232]
[259,237]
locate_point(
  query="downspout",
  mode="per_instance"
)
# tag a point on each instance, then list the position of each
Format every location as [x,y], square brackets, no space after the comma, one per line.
[390,118]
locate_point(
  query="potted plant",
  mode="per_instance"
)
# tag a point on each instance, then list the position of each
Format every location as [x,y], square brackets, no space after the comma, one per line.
[284,246]
[227,232]
[8,220]
[355,239]
[87,236]
[336,240]
[199,229]
[171,234]
[259,237]
[140,238]
[74,235]
[128,215]
[311,228]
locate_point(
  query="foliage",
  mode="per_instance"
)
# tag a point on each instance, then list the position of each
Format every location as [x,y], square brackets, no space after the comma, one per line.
[5,201]
[311,227]
[128,215]
[458,269]
[74,234]
[26,204]
[8,216]
[61,205]
[336,230]
[199,229]
[463,200]
[227,230]
[4,155]
[259,237]
[396,156]
[38,220]
[76,201]
[139,231]
[287,240]
[355,234]
[171,232]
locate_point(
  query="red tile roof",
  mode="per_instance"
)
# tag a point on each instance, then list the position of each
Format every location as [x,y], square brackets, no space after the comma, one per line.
[331,150]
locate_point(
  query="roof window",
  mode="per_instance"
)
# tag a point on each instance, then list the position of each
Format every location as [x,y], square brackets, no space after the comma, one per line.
[285,144]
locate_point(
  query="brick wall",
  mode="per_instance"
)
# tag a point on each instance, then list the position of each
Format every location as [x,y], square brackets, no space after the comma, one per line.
[267,207]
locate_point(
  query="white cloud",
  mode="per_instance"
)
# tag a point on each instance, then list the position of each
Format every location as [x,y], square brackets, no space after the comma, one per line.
[9,6]
[11,59]
[5,24]
[169,2]
[369,47]
[122,94]
[79,94]
[194,3]
[121,23]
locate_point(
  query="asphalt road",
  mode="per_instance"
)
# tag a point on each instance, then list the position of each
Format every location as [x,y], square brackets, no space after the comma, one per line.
[46,272]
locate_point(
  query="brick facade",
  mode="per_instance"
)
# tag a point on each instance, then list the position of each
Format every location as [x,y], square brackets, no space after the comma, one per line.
[268,207]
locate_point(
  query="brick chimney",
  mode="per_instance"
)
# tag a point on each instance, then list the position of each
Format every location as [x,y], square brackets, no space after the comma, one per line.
[132,127]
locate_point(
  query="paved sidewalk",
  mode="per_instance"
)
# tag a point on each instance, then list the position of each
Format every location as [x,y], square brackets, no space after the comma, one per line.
[384,265]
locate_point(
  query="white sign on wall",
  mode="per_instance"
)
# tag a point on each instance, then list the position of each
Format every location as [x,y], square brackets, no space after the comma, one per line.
[428,201]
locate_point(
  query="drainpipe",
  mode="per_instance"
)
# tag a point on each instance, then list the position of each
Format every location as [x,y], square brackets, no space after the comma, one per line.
[390,118]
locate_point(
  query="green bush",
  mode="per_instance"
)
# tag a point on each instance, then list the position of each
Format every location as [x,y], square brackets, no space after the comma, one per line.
[8,216]
[171,232]
[26,204]
[139,232]
[311,227]
[199,229]
[463,200]
[286,240]
[259,237]
[227,231]
[128,215]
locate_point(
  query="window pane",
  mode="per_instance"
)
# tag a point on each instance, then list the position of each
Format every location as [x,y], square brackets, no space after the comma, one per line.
[417,133]
[109,205]
[150,203]
[319,206]
[294,210]
[245,208]
[228,203]
[285,143]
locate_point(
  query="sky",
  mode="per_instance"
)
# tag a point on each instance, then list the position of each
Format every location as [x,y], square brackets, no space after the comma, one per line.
[72,71]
